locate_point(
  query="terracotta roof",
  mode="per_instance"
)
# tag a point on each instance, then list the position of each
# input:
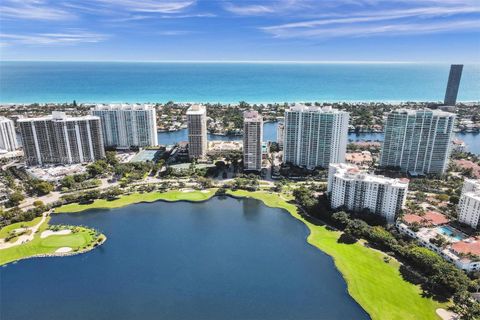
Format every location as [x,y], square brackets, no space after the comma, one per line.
[466,164]
[471,245]
[430,218]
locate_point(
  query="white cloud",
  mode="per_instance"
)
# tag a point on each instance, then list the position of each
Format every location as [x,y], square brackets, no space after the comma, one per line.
[69,37]
[265,7]
[153,6]
[384,29]
[400,21]
[33,10]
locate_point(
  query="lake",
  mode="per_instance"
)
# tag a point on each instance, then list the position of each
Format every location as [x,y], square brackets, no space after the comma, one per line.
[221,259]
[472,140]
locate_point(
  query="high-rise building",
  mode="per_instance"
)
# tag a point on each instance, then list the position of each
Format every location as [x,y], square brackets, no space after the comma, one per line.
[469,204]
[418,141]
[197,131]
[356,191]
[58,139]
[314,136]
[280,134]
[252,140]
[8,137]
[127,125]
[453,84]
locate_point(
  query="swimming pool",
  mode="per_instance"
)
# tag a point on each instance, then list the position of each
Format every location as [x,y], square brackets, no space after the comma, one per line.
[450,232]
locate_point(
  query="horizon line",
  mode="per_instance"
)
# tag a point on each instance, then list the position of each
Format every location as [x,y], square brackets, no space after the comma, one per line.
[251,61]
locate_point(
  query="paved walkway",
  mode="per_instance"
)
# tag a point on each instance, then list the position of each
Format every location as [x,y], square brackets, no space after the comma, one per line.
[26,237]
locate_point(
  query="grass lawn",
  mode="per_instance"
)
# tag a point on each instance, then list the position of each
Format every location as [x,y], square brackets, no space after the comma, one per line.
[173,195]
[377,286]
[5,230]
[48,245]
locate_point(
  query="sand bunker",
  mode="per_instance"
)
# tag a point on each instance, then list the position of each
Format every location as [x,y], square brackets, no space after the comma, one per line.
[48,233]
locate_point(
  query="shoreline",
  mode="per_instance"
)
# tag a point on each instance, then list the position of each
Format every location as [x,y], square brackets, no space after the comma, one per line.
[58,254]
[317,236]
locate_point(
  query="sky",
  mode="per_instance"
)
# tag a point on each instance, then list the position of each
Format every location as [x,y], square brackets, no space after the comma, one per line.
[241,30]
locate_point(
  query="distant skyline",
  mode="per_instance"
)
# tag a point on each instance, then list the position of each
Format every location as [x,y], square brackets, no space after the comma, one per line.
[445,31]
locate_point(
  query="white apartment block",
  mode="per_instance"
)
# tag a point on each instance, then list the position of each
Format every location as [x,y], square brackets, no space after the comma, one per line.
[469,204]
[58,139]
[314,136]
[127,125]
[252,140]
[8,137]
[356,191]
[197,131]
[418,141]
[280,134]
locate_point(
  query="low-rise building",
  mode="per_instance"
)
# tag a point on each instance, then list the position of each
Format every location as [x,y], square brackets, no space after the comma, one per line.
[432,231]
[357,190]
[359,158]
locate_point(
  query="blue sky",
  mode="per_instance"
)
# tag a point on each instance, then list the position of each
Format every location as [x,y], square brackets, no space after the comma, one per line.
[286,30]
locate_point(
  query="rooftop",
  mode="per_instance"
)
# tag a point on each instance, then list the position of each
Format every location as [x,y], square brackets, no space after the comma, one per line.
[412,112]
[59,116]
[431,218]
[123,106]
[470,245]
[196,109]
[304,108]
[352,172]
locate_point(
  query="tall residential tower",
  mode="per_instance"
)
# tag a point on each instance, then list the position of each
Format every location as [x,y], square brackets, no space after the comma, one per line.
[128,125]
[8,137]
[453,84]
[418,141]
[197,131]
[58,139]
[252,140]
[314,136]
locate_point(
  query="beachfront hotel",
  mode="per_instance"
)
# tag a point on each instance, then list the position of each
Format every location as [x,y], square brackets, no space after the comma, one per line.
[469,204]
[197,131]
[59,139]
[314,136]
[356,190]
[127,125]
[252,140]
[418,141]
[8,137]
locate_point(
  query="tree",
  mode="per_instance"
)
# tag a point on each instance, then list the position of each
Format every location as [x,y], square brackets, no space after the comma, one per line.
[111,158]
[97,168]
[42,188]
[15,198]
[37,203]
[466,307]
[67,182]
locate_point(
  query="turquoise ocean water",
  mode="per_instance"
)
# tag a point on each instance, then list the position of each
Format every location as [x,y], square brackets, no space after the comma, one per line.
[27,82]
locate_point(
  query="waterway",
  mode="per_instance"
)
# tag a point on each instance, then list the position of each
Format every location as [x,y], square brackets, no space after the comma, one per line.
[472,140]
[221,259]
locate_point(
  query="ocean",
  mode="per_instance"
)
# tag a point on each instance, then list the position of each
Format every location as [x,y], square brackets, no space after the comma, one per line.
[28,82]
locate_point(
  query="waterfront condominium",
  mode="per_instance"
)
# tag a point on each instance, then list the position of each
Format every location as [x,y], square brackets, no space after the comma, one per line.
[453,84]
[314,136]
[252,141]
[8,137]
[356,191]
[469,204]
[58,139]
[418,141]
[197,131]
[280,134]
[127,125]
